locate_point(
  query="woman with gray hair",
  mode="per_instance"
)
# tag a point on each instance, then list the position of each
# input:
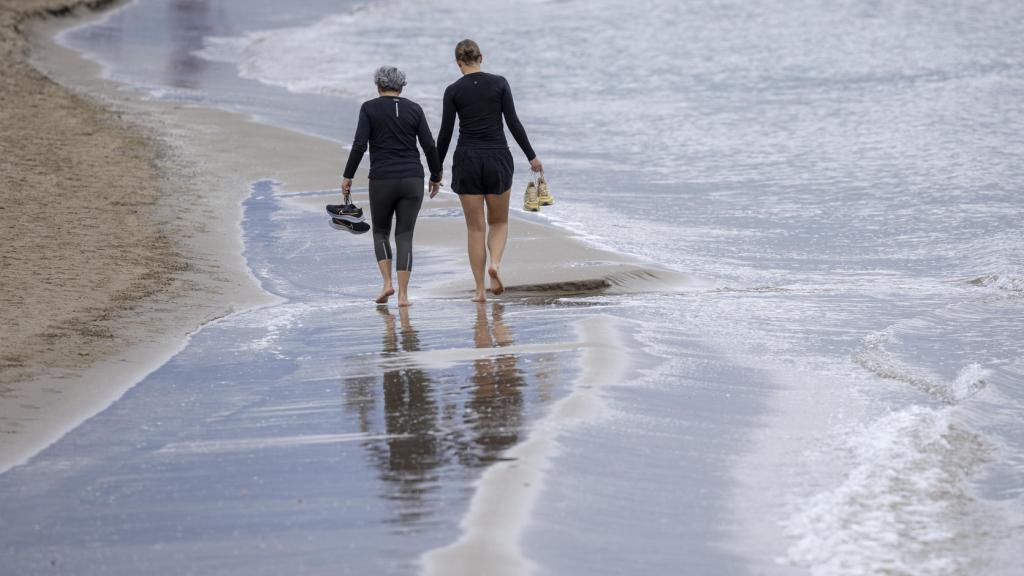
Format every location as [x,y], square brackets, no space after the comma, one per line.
[391,125]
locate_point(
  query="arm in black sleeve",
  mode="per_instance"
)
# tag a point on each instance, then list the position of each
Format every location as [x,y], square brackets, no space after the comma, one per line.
[508,108]
[429,150]
[358,143]
[444,137]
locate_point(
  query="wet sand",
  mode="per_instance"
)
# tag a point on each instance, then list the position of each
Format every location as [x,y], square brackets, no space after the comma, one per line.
[124,217]
[206,163]
[193,170]
[323,418]
[85,257]
[525,388]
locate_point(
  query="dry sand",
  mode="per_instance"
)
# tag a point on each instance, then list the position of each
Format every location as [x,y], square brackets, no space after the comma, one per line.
[80,248]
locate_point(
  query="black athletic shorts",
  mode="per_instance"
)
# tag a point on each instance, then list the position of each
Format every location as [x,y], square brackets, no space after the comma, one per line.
[482,170]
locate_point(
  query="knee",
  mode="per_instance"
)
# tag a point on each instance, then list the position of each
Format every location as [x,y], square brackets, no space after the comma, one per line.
[497,220]
[476,226]
[403,238]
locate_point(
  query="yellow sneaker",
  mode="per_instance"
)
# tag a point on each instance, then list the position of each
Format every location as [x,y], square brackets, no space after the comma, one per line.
[544,196]
[530,201]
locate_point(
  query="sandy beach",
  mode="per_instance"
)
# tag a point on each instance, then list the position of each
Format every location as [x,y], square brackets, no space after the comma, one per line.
[200,167]
[84,254]
[122,215]
[159,249]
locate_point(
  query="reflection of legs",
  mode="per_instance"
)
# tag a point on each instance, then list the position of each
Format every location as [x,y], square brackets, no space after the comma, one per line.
[473,210]
[403,315]
[382,209]
[481,329]
[390,335]
[497,235]
[497,401]
[406,211]
[410,341]
[502,337]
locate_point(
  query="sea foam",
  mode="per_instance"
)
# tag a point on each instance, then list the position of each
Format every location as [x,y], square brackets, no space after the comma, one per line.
[905,507]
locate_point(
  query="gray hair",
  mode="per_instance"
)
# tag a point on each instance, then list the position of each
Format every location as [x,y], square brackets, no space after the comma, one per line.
[389,78]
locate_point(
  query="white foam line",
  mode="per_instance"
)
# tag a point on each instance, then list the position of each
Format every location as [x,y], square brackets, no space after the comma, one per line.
[505,494]
[246,444]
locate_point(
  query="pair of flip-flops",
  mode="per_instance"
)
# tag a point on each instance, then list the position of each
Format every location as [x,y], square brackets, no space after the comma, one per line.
[348,217]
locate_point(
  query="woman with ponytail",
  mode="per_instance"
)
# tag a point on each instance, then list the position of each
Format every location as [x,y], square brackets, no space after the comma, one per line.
[482,164]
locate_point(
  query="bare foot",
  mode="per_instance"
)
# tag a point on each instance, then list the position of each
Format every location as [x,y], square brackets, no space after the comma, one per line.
[480,297]
[403,301]
[496,286]
[386,293]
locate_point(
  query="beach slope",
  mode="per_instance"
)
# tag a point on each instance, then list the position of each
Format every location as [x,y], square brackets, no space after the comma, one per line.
[116,246]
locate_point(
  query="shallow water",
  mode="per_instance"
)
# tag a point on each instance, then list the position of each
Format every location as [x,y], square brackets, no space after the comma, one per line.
[846,401]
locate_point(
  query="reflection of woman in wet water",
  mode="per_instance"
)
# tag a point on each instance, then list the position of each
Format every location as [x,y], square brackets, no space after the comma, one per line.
[410,410]
[497,400]
[423,430]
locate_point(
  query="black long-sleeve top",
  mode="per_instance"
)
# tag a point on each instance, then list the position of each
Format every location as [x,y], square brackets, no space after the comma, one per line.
[480,99]
[391,125]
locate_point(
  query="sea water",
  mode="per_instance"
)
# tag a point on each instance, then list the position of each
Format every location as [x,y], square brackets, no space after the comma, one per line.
[848,398]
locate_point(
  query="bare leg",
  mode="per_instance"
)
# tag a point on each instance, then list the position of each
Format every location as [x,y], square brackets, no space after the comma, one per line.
[388,289]
[406,211]
[497,235]
[473,210]
[403,288]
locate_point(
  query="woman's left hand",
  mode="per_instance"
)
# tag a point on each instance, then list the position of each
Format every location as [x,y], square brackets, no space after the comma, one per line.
[435,187]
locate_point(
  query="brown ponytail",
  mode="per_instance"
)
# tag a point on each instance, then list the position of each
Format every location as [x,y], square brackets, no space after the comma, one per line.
[468,52]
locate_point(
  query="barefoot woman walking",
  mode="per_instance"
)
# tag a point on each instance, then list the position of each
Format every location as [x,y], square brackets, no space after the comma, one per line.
[391,125]
[482,164]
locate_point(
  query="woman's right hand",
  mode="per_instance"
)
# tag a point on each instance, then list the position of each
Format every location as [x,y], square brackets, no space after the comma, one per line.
[535,164]
[346,189]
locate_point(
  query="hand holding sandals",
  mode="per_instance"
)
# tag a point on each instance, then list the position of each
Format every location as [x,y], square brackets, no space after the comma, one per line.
[435,187]
[346,190]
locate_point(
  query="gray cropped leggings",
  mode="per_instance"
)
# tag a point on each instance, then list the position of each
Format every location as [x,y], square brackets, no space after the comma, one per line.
[399,199]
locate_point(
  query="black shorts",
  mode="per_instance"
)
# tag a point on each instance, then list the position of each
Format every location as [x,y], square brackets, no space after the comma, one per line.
[482,170]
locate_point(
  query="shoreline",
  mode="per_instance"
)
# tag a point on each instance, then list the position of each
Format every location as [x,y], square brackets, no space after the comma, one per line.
[203,161]
[506,493]
[207,159]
